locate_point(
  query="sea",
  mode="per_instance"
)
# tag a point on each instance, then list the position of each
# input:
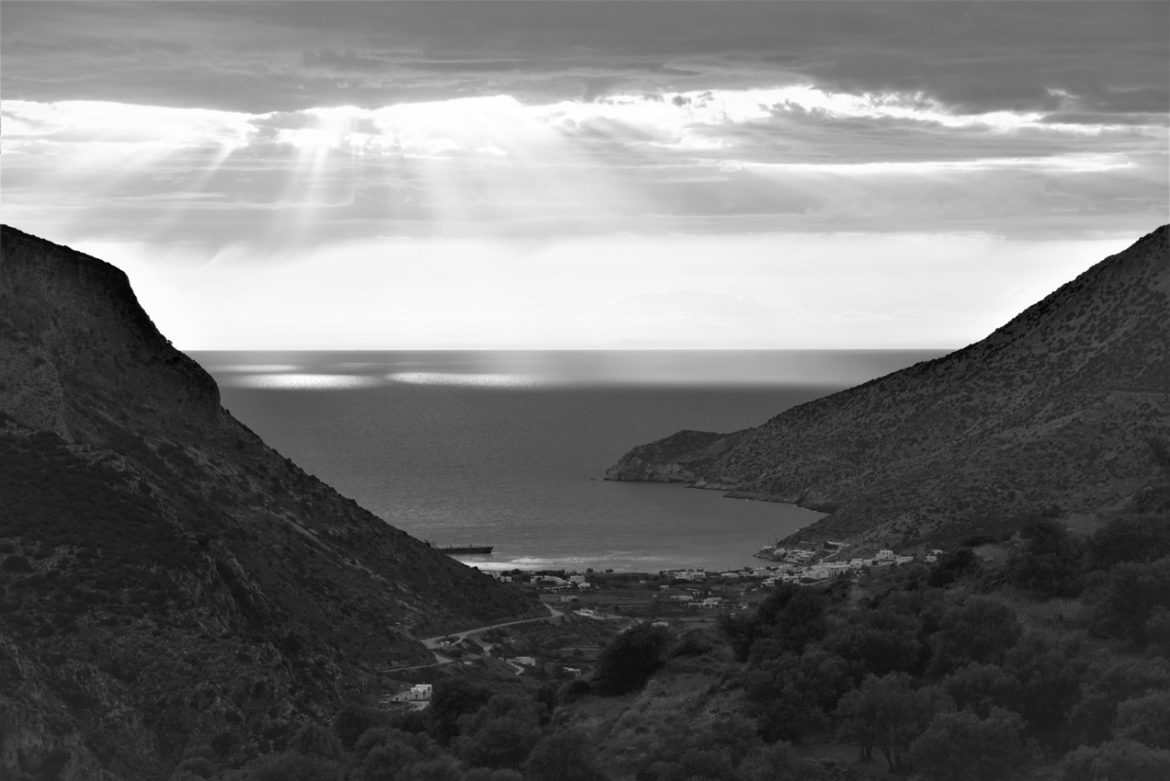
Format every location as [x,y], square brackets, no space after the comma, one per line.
[510,448]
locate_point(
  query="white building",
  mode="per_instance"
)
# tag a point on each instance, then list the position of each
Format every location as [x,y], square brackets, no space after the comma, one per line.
[420,692]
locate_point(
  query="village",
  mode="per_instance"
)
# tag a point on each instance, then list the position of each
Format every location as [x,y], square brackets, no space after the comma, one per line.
[588,609]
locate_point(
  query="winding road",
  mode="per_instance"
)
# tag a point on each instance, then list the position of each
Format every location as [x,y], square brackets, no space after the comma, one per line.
[433,643]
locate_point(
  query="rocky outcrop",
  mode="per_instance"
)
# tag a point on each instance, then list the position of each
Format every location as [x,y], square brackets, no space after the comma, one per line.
[1067,405]
[168,583]
[78,317]
[676,459]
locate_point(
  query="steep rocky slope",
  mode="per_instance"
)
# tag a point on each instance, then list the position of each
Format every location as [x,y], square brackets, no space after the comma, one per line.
[1067,405]
[168,581]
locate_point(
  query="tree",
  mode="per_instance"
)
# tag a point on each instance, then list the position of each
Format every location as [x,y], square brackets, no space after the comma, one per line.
[791,694]
[1134,593]
[563,756]
[438,769]
[794,615]
[501,733]
[952,567]
[1117,759]
[295,766]
[1129,538]
[1145,720]
[740,630]
[886,713]
[778,762]
[791,615]
[400,748]
[1157,631]
[451,699]
[961,746]
[315,740]
[1050,561]
[1105,688]
[487,774]
[877,641]
[352,721]
[502,742]
[1048,674]
[387,760]
[980,687]
[857,721]
[977,630]
[630,659]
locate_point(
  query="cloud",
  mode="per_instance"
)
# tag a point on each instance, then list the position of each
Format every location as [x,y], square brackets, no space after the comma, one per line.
[713,160]
[258,57]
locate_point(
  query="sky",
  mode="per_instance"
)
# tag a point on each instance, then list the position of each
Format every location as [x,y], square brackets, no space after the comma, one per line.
[483,174]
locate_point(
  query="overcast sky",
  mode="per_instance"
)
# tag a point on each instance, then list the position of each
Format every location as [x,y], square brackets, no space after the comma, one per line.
[586,174]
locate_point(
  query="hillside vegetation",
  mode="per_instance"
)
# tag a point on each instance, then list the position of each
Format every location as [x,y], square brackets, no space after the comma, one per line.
[1041,656]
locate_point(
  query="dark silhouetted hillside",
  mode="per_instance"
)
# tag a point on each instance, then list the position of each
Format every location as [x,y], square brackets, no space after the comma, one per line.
[167,580]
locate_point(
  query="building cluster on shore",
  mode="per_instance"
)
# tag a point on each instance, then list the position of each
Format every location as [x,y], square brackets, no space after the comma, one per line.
[807,564]
[790,565]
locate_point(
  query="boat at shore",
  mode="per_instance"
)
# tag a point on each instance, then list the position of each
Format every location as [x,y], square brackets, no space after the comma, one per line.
[482,550]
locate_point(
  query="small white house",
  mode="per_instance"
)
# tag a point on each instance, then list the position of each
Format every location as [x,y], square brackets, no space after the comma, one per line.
[420,692]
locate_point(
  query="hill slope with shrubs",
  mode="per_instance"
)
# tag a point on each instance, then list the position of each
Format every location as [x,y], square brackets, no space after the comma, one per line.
[167,580]
[1065,405]
[1042,656]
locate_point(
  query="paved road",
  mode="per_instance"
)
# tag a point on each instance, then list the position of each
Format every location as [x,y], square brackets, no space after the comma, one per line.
[432,643]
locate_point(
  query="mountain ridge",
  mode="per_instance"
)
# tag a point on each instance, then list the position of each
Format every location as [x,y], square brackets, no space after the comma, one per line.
[167,580]
[962,444]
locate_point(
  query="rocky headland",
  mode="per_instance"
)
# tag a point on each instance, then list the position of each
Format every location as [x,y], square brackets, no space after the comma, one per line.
[1065,409]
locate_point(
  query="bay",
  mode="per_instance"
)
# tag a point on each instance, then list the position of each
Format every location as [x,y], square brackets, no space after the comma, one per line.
[510,448]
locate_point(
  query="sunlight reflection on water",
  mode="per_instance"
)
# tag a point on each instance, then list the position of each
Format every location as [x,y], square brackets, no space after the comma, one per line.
[535,369]
[475,380]
[300,381]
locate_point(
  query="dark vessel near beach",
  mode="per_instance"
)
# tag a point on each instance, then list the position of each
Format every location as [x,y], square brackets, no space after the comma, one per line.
[466,549]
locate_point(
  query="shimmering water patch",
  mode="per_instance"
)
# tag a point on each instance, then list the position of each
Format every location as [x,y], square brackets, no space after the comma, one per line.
[303,381]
